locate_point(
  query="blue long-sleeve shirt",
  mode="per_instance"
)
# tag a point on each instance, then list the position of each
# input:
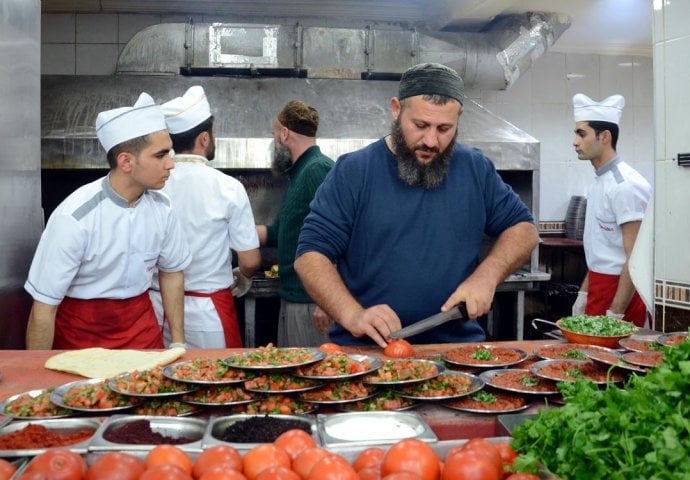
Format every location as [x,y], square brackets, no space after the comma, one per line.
[404,246]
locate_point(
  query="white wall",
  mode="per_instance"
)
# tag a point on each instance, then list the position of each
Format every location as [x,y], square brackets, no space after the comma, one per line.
[539,102]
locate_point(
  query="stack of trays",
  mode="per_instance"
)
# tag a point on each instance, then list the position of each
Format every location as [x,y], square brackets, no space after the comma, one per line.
[575,217]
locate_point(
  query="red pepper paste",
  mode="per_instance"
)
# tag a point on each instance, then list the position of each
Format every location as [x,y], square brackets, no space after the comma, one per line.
[38,436]
[138,432]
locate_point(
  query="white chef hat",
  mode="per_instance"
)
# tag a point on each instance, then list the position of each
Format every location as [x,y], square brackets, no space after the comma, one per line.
[609,109]
[186,112]
[121,124]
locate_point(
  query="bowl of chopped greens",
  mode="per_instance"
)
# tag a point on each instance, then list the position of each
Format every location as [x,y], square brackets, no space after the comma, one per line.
[595,330]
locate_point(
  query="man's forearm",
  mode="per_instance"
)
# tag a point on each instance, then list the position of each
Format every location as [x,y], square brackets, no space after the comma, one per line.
[172,293]
[325,286]
[510,251]
[624,292]
[40,331]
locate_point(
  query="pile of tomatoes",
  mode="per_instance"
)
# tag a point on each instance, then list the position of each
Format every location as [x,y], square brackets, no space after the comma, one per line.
[293,456]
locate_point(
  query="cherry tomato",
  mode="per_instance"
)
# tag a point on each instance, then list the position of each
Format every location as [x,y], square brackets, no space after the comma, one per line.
[60,464]
[332,467]
[305,460]
[370,473]
[169,455]
[115,466]
[261,457]
[330,347]
[278,472]
[469,465]
[414,456]
[369,457]
[294,441]
[522,476]
[399,348]
[165,471]
[217,455]
[220,472]
[7,469]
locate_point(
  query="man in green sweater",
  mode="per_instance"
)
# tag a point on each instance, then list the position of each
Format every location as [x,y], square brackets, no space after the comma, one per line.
[295,154]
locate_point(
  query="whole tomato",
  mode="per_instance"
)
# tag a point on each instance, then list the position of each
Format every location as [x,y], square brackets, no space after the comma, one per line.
[370,473]
[508,455]
[219,472]
[369,457]
[332,467]
[294,441]
[278,472]
[330,347]
[217,455]
[165,471]
[469,465]
[399,348]
[305,460]
[60,464]
[486,448]
[169,455]
[115,466]
[261,457]
[522,476]
[7,469]
[401,476]
[414,456]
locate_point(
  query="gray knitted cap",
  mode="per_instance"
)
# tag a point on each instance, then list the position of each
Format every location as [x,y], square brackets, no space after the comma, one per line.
[431,79]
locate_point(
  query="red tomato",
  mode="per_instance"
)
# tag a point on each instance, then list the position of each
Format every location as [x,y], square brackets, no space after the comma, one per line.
[169,455]
[487,449]
[260,458]
[36,476]
[220,472]
[370,473]
[278,472]
[330,347]
[469,465]
[508,455]
[305,460]
[217,455]
[165,471]
[61,464]
[115,466]
[414,456]
[402,476]
[294,441]
[369,457]
[399,348]
[332,467]
[522,476]
[7,469]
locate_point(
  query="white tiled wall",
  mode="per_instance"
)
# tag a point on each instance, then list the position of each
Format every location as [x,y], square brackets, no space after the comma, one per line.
[539,102]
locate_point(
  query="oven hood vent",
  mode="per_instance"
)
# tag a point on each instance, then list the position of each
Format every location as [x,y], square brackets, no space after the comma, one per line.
[493,58]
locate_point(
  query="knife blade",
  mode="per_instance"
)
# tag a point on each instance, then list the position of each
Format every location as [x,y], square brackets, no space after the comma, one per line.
[458,311]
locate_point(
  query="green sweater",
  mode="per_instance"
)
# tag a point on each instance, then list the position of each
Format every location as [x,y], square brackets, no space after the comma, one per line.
[305,176]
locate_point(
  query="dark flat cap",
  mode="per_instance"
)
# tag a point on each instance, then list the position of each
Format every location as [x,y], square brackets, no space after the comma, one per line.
[431,79]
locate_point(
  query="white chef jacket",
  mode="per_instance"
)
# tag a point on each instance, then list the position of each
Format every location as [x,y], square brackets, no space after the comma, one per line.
[216,217]
[96,246]
[619,194]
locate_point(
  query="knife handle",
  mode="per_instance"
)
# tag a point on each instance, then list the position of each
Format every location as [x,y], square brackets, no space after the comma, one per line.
[463,310]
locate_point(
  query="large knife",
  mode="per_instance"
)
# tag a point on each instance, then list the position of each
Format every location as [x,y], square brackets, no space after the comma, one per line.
[458,311]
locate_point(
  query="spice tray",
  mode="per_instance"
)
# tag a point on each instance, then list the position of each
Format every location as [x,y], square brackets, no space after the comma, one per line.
[175,427]
[217,426]
[61,425]
[372,428]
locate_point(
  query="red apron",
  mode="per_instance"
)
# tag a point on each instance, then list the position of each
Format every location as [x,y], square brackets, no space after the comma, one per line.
[225,307]
[602,289]
[107,323]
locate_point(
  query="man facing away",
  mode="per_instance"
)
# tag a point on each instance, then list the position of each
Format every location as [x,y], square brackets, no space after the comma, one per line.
[93,266]
[214,211]
[296,155]
[395,231]
[616,203]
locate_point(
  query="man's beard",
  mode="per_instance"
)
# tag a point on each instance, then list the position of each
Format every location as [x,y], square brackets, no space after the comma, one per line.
[282,159]
[410,171]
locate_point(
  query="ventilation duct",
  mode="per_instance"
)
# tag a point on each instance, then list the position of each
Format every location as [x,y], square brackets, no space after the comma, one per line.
[493,58]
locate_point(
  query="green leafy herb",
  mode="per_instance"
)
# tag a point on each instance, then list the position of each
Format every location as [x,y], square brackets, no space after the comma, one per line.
[482,354]
[574,373]
[529,381]
[640,431]
[574,353]
[599,325]
[485,397]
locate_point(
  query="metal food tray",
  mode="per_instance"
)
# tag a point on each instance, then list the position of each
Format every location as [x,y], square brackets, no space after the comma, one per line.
[217,425]
[372,428]
[52,424]
[168,426]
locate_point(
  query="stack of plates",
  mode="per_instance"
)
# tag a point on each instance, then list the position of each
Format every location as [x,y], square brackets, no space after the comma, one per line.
[575,217]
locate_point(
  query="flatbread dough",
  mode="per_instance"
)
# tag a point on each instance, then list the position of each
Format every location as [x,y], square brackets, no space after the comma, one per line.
[105,363]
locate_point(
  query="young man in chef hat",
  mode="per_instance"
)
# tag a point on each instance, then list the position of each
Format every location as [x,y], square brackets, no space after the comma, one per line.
[93,266]
[216,216]
[616,203]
